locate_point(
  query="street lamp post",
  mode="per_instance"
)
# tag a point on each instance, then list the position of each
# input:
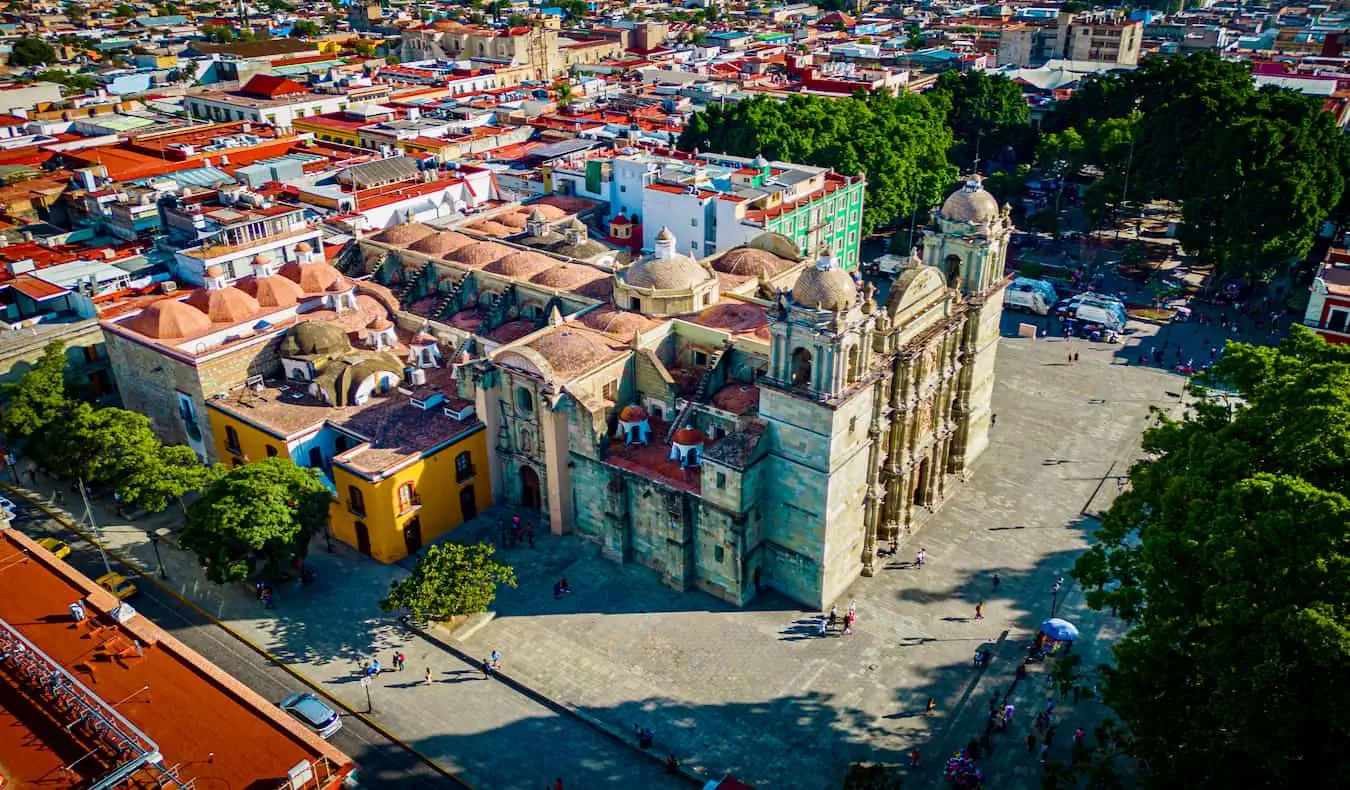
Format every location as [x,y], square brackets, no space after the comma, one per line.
[365,684]
[98,531]
[1054,595]
[154,543]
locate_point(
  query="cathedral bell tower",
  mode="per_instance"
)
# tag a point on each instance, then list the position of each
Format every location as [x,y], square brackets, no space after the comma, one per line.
[968,243]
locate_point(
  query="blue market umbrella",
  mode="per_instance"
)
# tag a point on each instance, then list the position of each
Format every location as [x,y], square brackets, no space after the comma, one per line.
[1059,630]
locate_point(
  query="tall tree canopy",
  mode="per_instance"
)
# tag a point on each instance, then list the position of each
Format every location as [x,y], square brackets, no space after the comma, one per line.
[1255,171]
[31,51]
[900,143]
[450,579]
[985,112]
[1230,557]
[253,520]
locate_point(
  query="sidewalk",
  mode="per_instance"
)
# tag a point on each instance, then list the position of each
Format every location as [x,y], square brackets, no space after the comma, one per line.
[483,731]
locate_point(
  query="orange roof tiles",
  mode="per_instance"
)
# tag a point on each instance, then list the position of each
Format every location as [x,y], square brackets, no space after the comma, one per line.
[217,731]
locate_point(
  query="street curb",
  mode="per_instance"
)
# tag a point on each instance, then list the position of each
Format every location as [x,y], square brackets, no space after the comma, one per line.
[558,707]
[135,567]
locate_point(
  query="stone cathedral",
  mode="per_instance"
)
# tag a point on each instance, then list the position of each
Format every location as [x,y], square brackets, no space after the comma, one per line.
[746,420]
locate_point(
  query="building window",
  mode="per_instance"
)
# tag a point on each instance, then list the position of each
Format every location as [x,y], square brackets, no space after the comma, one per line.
[719,553]
[721,480]
[232,440]
[271,451]
[693,223]
[610,390]
[407,498]
[1337,320]
[356,501]
[91,353]
[524,400]
[463,467]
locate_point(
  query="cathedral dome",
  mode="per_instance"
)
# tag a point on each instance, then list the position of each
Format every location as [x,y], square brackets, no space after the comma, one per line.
[566,276]
[272,291]
[750,262]
[170,319]
[404,234]
[440,243]
[970,203]
[633,413]
[824,287]
[478,254]
[228,305]
[315,338]
[313,277]
[521,265]
[688,436]
[666,270]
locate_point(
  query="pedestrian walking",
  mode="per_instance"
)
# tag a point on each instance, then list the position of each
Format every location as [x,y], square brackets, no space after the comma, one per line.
[375,667]
[1050,706]
[428,676]
[853,606]
[823,626]
[979,610]
[914,759]
[1075,356]
[1078,735]
[1031,743]
[487,669]
[268,601]
[496,659]
[932,706]
[834,615]
[918,558]
[399,661]
[1008,712]
[993,419]
[848,624]
[998,580]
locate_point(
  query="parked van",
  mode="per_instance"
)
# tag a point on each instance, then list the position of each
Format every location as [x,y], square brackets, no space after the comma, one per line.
[1033,296]
[1102,311]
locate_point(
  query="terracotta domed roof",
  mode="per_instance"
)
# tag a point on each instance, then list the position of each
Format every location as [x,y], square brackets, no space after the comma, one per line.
[617,323]
[228,305]
[632,413]
[314,278]
[689,436]
[520,265]
[571,351]
[170,319]
[261,259]
[750,262]
[567,276]
[479,254]
[304,246]
[339,285]
[272,291]
[493,228]
[824,287]
[440,243]
[513,220]
[550,212]
[582,250]
[970,204]
[315,338]
[678,272]
[381,324]
[403,235]
[214,270]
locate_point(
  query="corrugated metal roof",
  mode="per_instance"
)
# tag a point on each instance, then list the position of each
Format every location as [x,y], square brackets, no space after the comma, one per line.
[201,177]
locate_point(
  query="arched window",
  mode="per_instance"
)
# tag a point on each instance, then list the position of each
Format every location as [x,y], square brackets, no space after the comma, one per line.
[463,467]
[524,400]
[232,439]
[953,270]
[853,364]
[801,368]
[407,497]
[356,501]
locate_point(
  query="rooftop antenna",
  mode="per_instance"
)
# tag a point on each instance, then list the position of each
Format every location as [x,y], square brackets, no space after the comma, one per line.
[977,153]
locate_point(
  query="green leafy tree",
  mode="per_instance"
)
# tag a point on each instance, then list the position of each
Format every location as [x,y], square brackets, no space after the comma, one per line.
[450,579]
[305,28]
[164,476]
[73,83]
[391,59]
[517,20]
[38,400]
[899,142]
[31,51]
[914,38]
[223,34]
[253,520]
[985,112]
[124,11]
[97,446]
[189,71]
[1229,555]
[75,13]
[573,9]
[1135,255]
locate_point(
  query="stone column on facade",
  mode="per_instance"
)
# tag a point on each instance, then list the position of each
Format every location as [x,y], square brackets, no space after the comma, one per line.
[558,483]
[965,378]
[875,491]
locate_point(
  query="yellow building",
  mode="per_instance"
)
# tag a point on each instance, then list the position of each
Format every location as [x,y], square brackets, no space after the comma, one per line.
[406,463]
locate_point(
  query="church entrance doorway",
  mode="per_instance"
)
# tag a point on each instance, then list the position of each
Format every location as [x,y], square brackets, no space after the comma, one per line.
[529,487]
[922,485]
[362,538]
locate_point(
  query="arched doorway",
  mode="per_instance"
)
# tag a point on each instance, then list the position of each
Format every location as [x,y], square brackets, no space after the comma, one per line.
[801,368]
[953,265]
[468,503]
[412,534]
[529,487]
[362,538]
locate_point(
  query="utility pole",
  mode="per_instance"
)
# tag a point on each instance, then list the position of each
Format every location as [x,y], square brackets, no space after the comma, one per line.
[98,531]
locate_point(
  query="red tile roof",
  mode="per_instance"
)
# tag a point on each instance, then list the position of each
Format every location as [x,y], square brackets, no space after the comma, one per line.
[271,87]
